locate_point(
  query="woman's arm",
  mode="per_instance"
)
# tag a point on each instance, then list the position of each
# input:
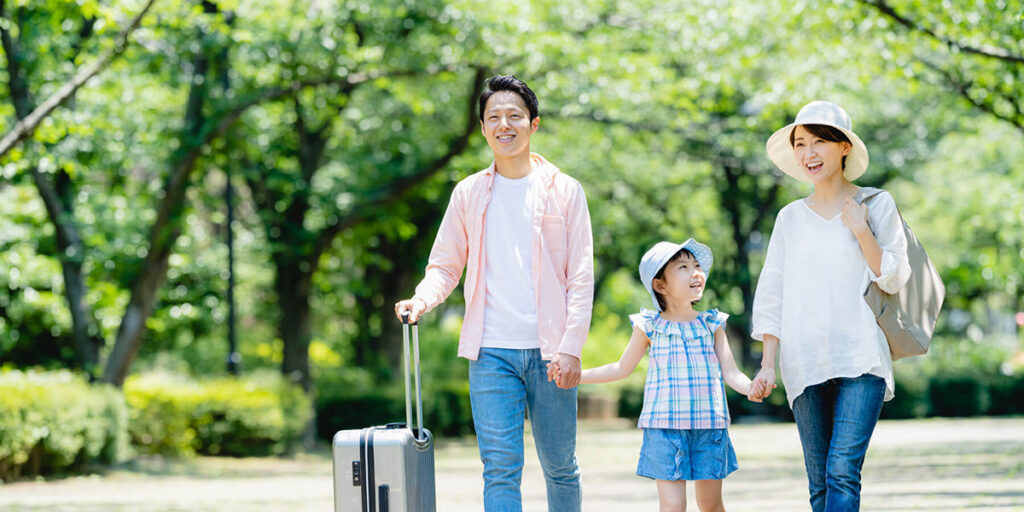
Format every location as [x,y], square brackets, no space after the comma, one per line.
[855,216]
[766,375]
[731,373]
[618,370]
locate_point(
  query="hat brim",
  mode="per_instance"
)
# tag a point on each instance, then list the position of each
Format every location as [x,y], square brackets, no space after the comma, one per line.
[780,151]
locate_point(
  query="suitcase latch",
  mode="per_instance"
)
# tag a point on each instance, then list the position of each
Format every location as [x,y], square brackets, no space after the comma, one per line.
[357,479]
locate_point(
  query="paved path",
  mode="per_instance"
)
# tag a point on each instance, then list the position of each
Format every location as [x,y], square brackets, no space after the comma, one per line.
[969,464]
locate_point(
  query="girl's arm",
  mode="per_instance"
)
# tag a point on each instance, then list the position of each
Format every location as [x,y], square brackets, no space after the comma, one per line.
[638,343]
[731,373]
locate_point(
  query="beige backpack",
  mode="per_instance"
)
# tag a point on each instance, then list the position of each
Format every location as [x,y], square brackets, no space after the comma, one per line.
[908,316]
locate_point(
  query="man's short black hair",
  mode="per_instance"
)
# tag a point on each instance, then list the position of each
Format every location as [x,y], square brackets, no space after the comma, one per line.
[513,84]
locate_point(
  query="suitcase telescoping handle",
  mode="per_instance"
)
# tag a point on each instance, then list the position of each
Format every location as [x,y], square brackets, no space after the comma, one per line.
[418,432]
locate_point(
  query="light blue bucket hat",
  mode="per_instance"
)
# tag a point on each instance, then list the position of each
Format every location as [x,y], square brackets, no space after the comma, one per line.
[659,255]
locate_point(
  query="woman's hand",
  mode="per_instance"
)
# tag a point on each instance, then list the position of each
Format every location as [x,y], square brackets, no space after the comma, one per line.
[855,216]
[763,383]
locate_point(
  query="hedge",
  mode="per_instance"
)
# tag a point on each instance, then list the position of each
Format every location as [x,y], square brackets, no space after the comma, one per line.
[260,414]
[52,422]
[446,409]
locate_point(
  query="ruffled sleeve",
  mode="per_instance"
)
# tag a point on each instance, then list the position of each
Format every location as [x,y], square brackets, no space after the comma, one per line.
[644,320]
[888,230]
[715,319]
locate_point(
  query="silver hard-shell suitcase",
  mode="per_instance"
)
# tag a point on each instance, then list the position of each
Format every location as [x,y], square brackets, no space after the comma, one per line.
[387,468]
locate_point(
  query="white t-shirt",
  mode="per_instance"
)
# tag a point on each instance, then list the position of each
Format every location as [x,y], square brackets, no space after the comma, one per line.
[810,295]
[510,308]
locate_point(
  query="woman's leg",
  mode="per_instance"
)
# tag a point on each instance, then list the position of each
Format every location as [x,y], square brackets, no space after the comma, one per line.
[813,411]
[709,495]
[672,495]
[857,406]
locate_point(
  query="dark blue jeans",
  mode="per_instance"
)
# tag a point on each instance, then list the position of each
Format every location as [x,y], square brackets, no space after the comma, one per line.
[835,420]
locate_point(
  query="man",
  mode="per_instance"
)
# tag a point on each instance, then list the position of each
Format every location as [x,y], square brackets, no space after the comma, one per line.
[521,229]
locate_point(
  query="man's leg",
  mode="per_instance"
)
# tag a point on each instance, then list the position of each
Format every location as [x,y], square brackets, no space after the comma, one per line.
[553,418]
[813,411]
[498,398]
[858,404]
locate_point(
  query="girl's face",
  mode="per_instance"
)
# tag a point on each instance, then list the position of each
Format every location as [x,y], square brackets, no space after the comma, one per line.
[682,282]
[820,159]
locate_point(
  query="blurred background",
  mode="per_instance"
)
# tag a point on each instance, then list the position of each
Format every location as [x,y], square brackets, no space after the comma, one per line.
[200,247]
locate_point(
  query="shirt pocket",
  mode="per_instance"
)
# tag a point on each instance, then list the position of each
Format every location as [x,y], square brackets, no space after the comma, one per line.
[554,233]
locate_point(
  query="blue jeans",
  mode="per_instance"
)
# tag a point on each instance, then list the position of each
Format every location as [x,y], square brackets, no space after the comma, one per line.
[503,385]
[835,420]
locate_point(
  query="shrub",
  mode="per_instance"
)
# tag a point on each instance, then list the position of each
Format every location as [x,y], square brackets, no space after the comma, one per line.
[958,395]
[260,414]
[55,421]
[446,409]
[912,396]
[1006,394]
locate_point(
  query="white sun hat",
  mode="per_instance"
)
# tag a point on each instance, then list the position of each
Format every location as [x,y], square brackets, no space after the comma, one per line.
[817,112]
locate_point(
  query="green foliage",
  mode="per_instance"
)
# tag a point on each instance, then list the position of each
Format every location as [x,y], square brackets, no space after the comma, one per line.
[660,109]
[260,414]
[52,422]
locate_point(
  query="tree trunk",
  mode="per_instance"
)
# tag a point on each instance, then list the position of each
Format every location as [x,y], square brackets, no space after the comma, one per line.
[293,286]
[163,234]
[71,253]
[741,260]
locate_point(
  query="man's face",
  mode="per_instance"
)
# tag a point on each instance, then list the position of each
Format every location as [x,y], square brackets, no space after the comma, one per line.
[506,125]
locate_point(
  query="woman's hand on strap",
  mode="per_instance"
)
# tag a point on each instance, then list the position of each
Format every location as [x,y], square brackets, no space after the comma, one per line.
[855,216]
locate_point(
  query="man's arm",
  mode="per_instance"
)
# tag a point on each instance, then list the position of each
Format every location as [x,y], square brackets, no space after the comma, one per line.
[579,288]
[446,262]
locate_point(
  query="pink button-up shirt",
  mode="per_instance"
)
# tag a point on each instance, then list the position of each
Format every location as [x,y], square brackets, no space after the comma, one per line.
[563,259]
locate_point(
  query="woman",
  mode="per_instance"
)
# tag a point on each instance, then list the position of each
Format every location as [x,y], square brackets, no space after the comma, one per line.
[825,250]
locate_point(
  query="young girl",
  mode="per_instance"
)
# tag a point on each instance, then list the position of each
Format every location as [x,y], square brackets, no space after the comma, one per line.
[684,416]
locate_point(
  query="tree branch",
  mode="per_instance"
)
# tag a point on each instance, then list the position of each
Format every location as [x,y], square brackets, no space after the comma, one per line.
[392,192]
[27,126]
[964,89]
[990,52]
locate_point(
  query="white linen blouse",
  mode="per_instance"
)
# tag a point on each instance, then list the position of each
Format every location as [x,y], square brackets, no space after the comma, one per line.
[810,295]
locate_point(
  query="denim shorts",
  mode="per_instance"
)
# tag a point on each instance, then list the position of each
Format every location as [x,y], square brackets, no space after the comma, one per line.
[702,454]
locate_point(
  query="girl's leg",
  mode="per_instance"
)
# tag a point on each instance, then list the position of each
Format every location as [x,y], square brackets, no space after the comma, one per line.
[672,495]
[709,495]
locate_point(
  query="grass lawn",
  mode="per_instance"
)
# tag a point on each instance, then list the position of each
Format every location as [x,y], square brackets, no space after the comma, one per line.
[936,464]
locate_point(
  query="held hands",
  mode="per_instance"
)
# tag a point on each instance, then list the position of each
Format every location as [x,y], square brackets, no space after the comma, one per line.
[414,307]
[762,385]
[565,370]
[855,215]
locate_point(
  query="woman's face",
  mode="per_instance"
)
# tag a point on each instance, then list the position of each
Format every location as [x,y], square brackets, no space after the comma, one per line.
[820,159]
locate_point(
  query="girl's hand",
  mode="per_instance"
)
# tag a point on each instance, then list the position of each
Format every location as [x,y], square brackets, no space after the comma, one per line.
[554,373]
[764,382]
[855,216]
[754,391]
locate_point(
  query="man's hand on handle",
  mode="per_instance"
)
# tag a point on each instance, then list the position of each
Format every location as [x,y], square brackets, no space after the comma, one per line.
[414,307]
